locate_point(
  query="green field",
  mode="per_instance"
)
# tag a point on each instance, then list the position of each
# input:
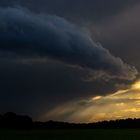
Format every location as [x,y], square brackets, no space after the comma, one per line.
[115,134]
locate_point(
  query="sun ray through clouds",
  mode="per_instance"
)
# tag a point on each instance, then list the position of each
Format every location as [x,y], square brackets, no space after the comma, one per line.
[119,105]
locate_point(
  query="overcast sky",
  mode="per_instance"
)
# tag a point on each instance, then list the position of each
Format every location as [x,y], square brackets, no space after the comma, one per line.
[58,55]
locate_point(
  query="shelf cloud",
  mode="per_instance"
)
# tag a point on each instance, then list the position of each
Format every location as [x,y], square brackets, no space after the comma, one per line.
[28,35]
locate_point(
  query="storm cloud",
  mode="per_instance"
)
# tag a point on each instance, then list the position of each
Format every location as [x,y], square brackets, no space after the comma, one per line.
[28,35]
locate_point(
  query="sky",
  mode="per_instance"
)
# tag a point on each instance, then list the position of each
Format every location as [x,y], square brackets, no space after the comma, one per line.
[67,60]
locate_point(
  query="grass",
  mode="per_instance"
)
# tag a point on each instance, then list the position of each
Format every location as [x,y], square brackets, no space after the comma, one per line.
[97,134]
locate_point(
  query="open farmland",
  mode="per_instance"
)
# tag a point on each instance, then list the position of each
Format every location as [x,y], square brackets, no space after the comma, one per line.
[94,134]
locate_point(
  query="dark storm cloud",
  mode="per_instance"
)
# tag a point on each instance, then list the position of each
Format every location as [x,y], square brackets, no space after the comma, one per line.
[32,87]
[27,34]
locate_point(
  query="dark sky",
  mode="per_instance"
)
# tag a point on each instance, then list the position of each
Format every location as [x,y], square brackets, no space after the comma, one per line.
[53,52]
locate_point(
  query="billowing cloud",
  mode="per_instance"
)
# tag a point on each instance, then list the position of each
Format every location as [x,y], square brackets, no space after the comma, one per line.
[25,34]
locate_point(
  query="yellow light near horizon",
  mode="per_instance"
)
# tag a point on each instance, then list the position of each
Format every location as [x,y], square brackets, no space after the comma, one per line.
[97,98]
[136,85]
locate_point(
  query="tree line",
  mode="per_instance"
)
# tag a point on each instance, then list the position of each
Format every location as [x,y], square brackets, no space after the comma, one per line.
[11,120]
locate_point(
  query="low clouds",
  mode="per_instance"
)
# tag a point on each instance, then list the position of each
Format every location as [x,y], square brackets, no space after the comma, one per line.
[29,35]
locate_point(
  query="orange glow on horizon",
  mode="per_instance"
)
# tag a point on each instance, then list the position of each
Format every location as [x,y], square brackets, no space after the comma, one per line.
[136,85]
[119,105]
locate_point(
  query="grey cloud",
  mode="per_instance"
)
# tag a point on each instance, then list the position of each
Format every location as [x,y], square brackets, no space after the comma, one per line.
[94,10]
[30,35]
[35,87]
[121,32]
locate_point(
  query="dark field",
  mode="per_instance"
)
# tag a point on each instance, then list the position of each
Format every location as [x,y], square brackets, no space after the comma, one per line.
[98,134]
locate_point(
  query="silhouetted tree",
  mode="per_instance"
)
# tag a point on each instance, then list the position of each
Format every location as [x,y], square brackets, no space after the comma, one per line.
[12,121]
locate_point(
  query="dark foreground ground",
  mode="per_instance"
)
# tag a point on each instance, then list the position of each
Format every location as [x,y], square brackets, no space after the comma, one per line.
[100,134]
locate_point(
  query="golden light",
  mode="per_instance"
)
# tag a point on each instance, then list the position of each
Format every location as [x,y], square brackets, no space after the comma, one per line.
[121,104]
[97,98]
[136,85]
